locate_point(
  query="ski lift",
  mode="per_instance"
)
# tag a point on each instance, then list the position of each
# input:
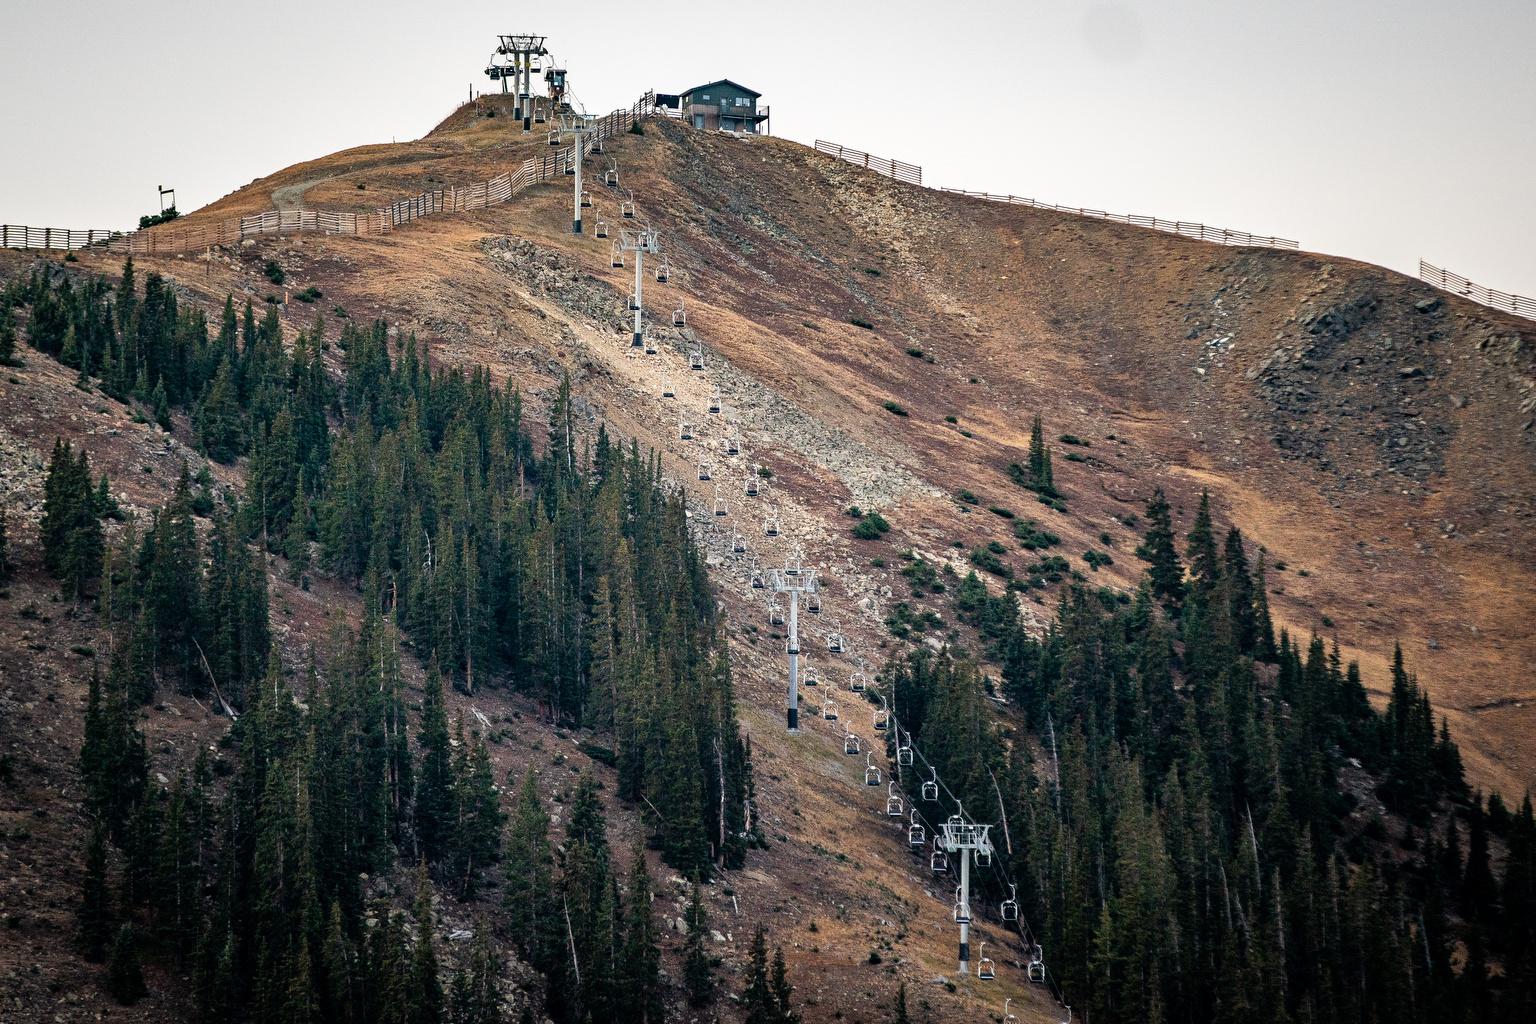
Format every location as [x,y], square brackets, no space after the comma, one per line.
[586,199]
[1009,1018]
[627,208]
[813,603]
[1010,908]
[751,485]
[1069,1016]
[916,834]
[882,718]
[756,578]
[597,145]
[904,754]
[696,359]
[858,681]
[634,302]
[775,614]
[554,139]
[931,787]
[871,772]
[602,229]
[679,317]
[938,863]
[650,343]
[771,525]
[685,431]
[611,175]
[703,471]
[962,912]
[1037,966]
[714,400]
[733,445]
[662,273]
[851,744]
[792,566]
[616,258]
[835,642]
[738,542]
[893,801]
[812,677]
[984,856]
[666,388]
[829,711]
[720,509]
[985,970]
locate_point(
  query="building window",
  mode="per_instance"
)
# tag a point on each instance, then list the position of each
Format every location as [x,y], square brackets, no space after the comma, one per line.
[698,120]
[706,96]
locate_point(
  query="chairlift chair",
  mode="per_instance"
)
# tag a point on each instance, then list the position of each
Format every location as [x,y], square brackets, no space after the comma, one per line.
[738,542]
[666,388]
[812,677]
[1069,1016]
[917,836]
[931,787]
[851,744]
[650,343]
[751,484]
[893,802]
[858,681]
[633,303]
[829,711]
[662,273]
[616,258]
[1037,965]
[611,175]
[602,229]
[756,578]
[871,771]
[714,400]
[703,471]
[696,359]
[597,145]
[679,317]
[938,862]
[835,642]
[771,525]
[813,603]
[985,970]
[586,199]
[1009,1017]
[627,209]
[882,718]
[775,614]
[904,754]
[984,856]
[962,912]
[1009,911]
[733,445]
[554,139]
[685,431]
[720,509]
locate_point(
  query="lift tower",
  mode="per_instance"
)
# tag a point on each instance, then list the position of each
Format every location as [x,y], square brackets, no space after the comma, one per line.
[574,126]
[523,49]
[794,580]
[638,242]
[965,837]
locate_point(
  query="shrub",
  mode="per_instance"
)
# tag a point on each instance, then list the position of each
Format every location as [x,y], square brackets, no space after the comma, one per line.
[765,472]
[915,353]
[1097,559]
[857,322]
[987,560]
[1073,439]
[274,272]
[966,496]
[998,510]
[1032,537]
[950,419]
[894,409]
[151,219]
[871,527]
[310,294]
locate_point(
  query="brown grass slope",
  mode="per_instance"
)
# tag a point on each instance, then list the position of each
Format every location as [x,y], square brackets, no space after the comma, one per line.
[1382,453]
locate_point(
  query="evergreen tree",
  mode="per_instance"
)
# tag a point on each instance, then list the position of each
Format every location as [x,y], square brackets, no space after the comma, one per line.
[125,979]
[757,998]
[640,974]
[6,566]
[698,968]
[426,1005]
[1165,573]
[434,787]
[94,918]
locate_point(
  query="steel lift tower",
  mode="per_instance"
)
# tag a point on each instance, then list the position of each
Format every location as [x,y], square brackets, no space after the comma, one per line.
[965,838]
[794,580]
[638,242]
[523,49]
[574,126]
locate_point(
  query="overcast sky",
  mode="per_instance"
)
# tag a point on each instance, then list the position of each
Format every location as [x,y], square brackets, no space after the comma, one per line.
[1383,130]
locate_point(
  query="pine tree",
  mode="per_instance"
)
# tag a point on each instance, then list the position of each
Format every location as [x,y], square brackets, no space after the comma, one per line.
[698,968]
[779,983]
[899,1008]
[125,979]
[530,910]
[94,917]
[1204,563]
[6,566]
[434,787]
[640,978]
[1165,573]
[427,989]
[757,998]
[476,841]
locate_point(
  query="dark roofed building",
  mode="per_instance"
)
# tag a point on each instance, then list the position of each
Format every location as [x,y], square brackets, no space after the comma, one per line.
[723,105]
